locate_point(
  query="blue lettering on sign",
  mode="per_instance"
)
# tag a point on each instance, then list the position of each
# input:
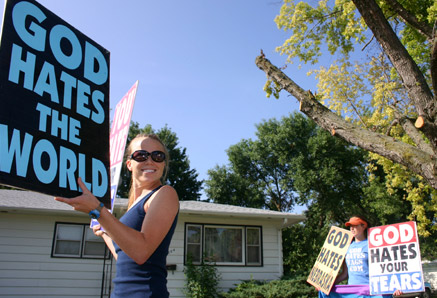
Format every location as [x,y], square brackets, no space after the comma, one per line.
[92,55]
[83,91]
[82,170]
[37,35]
[43,175]
[98,98]
[28,154]
[67,164]
[14,151]
[70,82]
[95,66]
[59,32]
[99,174]
[47,74]
[46,83]
[387,284]
[67,168]
[18,65]
[68,126]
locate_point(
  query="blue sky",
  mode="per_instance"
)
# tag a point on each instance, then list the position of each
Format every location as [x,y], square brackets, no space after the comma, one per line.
[195,62]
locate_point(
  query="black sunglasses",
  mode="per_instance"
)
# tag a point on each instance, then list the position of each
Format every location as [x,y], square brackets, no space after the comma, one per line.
[143,155]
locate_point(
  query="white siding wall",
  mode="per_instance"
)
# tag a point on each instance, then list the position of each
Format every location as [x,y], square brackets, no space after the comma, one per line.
[430,273]
[27,268]
[230,275]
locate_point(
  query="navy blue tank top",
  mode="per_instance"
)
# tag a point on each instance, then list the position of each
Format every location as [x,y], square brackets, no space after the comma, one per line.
[149,279]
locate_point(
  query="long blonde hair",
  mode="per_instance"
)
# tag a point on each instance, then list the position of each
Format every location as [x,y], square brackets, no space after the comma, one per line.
[129,151]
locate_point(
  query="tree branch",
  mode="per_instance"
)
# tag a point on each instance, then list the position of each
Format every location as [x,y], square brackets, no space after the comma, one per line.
[413,133]
[410,19]
[413,158]
[413,80]
[433,63]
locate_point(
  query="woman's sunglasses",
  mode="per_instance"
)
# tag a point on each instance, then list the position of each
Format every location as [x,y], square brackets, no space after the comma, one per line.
[143,155]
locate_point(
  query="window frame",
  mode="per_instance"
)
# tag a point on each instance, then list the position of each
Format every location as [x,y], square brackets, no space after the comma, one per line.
[82,243]
[243,243]
[244,229]
[260,246]
[186,242]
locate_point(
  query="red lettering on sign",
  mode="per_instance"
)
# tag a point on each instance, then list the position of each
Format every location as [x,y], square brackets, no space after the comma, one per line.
[392,234]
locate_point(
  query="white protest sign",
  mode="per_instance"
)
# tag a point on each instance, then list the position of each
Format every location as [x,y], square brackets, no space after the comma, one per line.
[394,259]
[330,259]
[118,136]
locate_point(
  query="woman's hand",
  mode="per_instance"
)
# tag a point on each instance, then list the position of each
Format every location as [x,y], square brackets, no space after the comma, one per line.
[83,203]
[398,293]
[97,231]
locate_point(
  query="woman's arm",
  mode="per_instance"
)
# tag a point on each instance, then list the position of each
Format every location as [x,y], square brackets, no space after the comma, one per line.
[343,275]
[160,215]
[110,245]
[108,241]
[138,245]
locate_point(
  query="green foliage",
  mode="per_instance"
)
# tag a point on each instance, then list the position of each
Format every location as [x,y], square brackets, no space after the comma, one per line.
[337,27]
[180,176]
[427,247]
[292,288]
[259,174]
[301,243]
[202,280]
[291,162]
[330,173]
[361,85]
[304,164]
[272,88]
[227,187]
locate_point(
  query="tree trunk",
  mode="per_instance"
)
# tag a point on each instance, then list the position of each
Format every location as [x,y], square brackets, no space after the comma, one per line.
[412,78]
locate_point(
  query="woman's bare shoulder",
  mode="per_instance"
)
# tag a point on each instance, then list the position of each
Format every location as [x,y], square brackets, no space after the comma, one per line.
[168,191]
[166,195]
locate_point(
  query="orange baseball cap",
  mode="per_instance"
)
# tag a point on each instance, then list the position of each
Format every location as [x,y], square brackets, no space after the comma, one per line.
[355,221]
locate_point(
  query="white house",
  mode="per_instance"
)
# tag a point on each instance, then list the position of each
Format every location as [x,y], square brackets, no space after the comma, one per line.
[430,273]
[47,249]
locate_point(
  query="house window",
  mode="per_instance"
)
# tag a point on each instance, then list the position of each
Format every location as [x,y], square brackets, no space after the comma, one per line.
[193,243]
[223,245]
[253,246]
[77,241]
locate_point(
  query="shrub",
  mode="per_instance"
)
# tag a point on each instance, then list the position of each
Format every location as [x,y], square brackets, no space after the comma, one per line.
[202,280]
[289,288]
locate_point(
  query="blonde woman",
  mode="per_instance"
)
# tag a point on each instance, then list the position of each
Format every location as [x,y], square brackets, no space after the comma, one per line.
[140,240]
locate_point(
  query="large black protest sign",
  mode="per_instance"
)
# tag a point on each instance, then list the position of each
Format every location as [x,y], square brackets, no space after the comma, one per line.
[54,104]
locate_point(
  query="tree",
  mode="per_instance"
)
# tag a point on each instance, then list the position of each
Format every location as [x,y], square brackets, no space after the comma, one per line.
[180,176]
[291,162]
[385,102]
[301,243]
[297,161]
[259,171]
[224,186]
